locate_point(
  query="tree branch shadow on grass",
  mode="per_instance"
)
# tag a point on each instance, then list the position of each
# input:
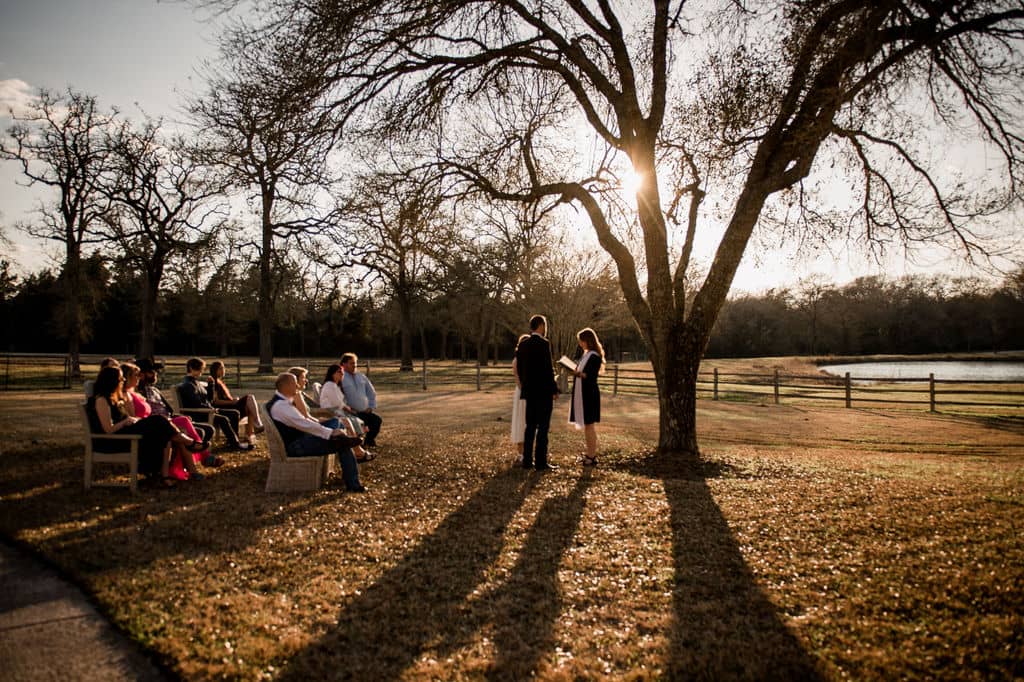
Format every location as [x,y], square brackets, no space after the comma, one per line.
[725,625]
[421,601]
[528,604]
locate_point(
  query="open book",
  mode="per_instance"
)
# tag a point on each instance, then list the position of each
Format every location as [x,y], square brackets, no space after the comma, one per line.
[568,364]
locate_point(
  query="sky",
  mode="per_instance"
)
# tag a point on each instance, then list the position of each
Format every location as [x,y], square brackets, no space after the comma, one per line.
[136,55]
[143,56]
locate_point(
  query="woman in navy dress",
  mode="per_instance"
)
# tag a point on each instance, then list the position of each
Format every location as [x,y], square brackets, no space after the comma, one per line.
[585,411]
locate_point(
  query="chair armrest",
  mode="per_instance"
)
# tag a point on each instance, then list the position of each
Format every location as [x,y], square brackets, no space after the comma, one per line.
[204,414]
[116,436]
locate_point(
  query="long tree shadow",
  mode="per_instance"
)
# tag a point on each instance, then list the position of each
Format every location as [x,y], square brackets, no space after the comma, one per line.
[725,625]
[418,602]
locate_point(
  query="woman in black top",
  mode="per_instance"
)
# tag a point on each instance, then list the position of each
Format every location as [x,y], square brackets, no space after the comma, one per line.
[221,397]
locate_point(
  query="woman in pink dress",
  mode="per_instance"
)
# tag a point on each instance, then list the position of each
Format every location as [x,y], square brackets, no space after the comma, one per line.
[183,464]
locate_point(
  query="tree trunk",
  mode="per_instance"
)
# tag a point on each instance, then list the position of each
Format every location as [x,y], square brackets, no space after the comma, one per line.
[73,317]
[405,315]
[265,307]
[147,335]
[676,375]
[423,342]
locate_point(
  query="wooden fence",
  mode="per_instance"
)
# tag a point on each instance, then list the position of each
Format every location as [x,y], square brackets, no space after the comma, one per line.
[27,372]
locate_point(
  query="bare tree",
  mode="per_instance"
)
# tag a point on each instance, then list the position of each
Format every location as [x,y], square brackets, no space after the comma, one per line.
[394,230]
[167,207]
[60,144]
[272,139]
[723,110]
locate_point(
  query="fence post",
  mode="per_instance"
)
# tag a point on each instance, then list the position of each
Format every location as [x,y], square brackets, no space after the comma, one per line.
[478,375]
[776,387]
[7,372]
[366,368]
[424,374]
[238,372]
[615,385]
[715,395]
[847,381]
[931,392]
[67,371]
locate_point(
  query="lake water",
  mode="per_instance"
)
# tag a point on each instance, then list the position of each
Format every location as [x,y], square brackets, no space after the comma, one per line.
[943,369]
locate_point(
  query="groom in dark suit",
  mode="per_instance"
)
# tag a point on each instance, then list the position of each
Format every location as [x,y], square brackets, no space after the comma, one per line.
[533,364]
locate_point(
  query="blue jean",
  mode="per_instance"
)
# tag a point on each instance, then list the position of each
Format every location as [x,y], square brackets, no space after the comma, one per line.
[309,445]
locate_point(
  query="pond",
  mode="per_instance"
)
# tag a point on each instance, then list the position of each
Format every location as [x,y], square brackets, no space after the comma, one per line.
[943,369]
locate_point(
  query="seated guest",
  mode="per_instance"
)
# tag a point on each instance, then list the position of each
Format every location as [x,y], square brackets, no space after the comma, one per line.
[306,437]
[182,467]
[193,394]
[108,413]
[351,424]
[302,376]
[360,396]
[220,397]
[303,401]
[332,398]
[105,362]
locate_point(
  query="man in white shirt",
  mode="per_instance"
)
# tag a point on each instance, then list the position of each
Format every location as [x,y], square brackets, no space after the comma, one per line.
[306,437]
[361,397]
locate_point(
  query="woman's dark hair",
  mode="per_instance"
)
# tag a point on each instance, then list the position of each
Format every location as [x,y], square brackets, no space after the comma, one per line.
[589,336]
[329,377]
[216,368]
[520,340]
[108,384]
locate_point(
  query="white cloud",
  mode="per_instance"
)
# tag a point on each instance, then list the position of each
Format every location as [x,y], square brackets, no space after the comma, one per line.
[16,95]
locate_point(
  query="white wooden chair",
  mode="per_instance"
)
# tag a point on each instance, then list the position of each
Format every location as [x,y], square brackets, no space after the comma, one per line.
[203,415]
[291,474]
[128,454]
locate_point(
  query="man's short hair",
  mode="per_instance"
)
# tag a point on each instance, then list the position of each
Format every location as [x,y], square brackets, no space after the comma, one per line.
[282,379]
[536,321]
[349,356]
[194,364]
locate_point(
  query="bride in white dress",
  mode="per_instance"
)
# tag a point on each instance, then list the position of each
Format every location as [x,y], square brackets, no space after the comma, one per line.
[518,410]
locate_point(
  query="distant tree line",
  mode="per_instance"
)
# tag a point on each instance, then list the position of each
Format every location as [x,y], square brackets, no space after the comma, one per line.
[317,318]
[873,315]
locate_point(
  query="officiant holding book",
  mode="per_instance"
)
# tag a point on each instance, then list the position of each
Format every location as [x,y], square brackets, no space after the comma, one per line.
[585,409]
[538,389]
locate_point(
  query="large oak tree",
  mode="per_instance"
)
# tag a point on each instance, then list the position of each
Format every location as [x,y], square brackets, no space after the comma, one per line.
[729,112]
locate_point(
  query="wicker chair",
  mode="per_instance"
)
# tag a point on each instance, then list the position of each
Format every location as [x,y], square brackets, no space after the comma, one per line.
[291,474]
[128,455]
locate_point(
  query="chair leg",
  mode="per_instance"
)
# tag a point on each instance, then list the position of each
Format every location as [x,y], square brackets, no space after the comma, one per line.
[133,480]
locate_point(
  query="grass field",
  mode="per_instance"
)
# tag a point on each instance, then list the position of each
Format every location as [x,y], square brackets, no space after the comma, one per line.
[809,542]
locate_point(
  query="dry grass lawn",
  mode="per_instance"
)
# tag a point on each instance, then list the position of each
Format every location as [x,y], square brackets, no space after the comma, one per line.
[810,542]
